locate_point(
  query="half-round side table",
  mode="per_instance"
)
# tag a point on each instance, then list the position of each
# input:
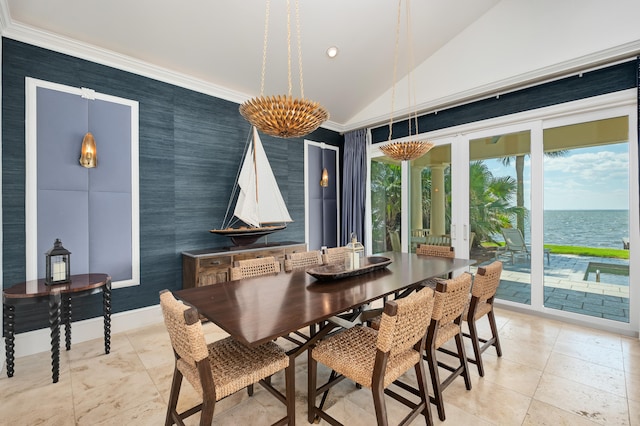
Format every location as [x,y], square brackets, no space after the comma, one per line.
[59,298]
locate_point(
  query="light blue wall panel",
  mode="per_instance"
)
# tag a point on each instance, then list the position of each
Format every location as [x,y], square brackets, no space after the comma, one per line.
[88,209]
[63,214]
[110,234]
[110,124]
[62,123]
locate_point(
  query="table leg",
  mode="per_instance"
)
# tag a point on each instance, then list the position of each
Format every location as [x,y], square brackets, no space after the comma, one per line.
[290,380]
[66,319]
[9,314]
[54,324]
[106,307]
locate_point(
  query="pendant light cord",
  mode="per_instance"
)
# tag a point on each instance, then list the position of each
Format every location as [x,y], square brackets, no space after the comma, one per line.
[264,47]
[413,113]
[395,70]
[265,43]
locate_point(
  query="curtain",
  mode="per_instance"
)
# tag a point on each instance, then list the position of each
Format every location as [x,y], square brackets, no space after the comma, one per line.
[353,185]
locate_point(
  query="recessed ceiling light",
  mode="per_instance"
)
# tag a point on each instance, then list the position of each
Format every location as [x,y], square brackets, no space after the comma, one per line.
[332,52]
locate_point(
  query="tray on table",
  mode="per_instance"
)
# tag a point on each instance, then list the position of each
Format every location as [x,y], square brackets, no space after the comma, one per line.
[336,271]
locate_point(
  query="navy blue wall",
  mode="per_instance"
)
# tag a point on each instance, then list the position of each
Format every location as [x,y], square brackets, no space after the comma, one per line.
[598,82]
[190,149]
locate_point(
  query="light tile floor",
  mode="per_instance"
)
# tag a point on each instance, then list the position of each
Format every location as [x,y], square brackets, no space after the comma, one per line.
[550,373]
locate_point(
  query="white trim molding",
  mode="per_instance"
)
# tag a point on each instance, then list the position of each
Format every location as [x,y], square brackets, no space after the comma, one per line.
[69,46]
[31,178]
[307,178]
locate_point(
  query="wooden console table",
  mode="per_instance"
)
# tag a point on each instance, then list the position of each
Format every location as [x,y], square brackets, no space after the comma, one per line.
[212,266]
[59,298]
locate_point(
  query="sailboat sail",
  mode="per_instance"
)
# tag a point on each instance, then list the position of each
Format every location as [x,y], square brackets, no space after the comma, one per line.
[259,203]
[259,200]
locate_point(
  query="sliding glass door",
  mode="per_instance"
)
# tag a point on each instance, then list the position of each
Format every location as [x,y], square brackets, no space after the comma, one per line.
[499,205]
[552,193]
[586,218]
[430,198]
[386,204]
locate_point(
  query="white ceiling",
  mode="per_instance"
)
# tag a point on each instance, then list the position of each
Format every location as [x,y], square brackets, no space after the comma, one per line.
[219,42]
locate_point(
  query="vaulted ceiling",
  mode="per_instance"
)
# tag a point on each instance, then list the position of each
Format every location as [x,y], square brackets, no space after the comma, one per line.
[219,44]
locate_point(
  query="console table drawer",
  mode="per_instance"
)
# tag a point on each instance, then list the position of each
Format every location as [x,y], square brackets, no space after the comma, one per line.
[277,253]
[215,262]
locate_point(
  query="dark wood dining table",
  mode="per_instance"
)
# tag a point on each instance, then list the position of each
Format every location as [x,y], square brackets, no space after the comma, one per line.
[260,309]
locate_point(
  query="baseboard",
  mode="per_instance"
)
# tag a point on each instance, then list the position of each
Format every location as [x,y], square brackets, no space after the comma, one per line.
[36,341]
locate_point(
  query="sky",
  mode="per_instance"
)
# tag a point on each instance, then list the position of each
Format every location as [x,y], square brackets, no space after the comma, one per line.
[585,179]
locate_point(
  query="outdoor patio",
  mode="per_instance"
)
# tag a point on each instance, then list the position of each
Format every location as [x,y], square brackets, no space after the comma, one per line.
[565,287]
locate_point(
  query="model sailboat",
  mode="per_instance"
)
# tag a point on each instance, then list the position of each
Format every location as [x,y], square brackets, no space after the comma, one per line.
[260,204]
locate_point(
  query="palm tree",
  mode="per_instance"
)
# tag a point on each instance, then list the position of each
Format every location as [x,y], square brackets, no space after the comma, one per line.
[519,162]
[386,182]
[490,201]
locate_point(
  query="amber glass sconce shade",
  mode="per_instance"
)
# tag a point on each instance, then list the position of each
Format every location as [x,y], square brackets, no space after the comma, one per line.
[88,153]
[324,180]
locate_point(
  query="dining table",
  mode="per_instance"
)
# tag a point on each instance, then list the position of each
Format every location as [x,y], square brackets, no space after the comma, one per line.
[261,309]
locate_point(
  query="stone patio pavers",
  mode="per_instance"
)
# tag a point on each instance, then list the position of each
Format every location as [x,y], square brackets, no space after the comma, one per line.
[565,289]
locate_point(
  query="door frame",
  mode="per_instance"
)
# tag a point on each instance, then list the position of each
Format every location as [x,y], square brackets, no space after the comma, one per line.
[309,181]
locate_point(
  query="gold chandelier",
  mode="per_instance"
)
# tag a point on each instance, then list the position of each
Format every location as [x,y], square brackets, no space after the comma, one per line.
[284,116]
[410,149]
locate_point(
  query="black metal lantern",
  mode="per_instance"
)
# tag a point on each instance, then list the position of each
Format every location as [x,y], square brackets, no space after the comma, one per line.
[58,264]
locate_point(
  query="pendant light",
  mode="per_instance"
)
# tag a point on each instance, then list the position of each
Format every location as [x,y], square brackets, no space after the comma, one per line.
[283,115]
[409,149]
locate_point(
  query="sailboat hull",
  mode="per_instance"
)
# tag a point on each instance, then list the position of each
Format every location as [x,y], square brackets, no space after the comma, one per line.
[246,236]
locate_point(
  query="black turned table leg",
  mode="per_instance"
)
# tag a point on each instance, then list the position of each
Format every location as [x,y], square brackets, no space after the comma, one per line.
[66,319]
[106,306]
[9,314]
[54,324]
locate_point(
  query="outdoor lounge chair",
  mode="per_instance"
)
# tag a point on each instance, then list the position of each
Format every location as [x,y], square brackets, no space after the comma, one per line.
[514,245]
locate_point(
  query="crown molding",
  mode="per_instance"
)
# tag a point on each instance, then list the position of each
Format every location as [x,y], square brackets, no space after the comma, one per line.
[66,45]
[576,66]
[5,17]
[69,46]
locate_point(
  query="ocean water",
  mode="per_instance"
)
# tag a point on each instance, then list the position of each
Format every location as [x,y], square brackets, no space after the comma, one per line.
[588,228]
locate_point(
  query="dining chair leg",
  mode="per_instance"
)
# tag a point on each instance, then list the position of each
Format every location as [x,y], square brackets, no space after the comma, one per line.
[290,382]
[421,377]
[494,330]
[208,406]
[173,397]
[379,404]
[463,361]
[435,381]
[312,367]
[475,342]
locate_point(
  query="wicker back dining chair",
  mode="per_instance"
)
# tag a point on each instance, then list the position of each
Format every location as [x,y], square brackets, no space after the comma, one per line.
[434,250]
[254,267]
[302,260]
[451,298]
[483,291]
[334,255]
[219,369]
[437,251]
[377,358]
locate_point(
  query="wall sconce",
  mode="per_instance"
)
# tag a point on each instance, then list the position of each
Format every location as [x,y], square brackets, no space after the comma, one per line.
[88,153]
[324,181]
